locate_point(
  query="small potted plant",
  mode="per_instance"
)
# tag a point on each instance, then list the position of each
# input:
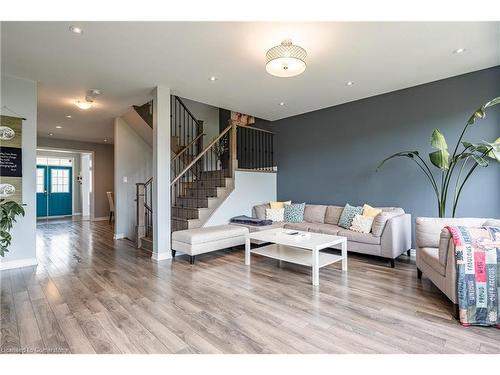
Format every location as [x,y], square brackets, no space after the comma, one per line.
[9,210]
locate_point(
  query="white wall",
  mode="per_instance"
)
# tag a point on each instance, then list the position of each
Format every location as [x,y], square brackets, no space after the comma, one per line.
[251,188]
[133,161]
[20,96]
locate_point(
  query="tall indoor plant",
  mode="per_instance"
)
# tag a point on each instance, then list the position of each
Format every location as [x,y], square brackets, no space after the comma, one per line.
[9,210]
[465,162]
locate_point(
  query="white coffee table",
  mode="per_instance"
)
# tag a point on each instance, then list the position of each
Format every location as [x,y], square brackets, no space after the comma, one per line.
[303,248]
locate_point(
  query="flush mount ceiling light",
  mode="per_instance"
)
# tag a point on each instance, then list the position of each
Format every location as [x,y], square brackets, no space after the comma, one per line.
[89,99]
[213,78]
[69,116]
[282,104]
[349,83]
[286,60]
[84,104]
[459,50]
[58,127]
[76,29]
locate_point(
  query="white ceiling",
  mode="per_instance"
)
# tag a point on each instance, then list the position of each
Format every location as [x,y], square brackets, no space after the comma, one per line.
[127,59]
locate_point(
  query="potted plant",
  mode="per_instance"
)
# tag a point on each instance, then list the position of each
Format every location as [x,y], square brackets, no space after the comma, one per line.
[9,210]
[465,162]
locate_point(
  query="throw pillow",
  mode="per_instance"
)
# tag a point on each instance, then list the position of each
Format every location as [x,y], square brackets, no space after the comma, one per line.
[348,214]
[370,211]
[280,204]
[275,214]
[362,224]
[294,213]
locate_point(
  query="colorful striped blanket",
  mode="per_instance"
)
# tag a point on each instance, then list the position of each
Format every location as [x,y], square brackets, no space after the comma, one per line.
[477,253]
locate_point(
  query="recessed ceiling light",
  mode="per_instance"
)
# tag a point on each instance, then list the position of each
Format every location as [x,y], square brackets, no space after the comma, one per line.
[76,29]
[459,50]
[51,134]
[105,139]
[213,78]
[69,116]
[349,83]
[83,104]
[58,127]
[282,103]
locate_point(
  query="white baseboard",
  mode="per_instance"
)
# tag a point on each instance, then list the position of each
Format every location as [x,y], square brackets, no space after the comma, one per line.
[77,214]
[7,265]
[119,236]
[159,257]
[102,218]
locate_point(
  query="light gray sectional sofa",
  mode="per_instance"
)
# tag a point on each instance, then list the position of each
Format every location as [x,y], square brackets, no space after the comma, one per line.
[390,236]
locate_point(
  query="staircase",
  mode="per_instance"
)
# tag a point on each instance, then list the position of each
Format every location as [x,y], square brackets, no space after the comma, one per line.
[202,177]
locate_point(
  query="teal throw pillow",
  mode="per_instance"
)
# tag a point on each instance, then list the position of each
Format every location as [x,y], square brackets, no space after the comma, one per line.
[348,214]
[294,213]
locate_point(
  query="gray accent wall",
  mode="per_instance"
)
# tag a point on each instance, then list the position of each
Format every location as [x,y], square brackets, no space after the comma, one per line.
[330,156]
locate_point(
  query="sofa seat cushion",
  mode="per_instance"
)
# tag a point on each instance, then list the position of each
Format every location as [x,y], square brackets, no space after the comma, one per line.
[209,234]
[314,213]
[258,228]
[325,229]
[430,255]
[332,214]
[298,226]
[359,237]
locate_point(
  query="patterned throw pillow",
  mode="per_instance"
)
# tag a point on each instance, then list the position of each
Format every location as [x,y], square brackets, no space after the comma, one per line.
[294,213]
[275,214]
[362,224]
[348,214]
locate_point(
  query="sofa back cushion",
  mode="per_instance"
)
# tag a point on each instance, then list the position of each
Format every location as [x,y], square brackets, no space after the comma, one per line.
[259,211]
[428,229]
[314,213]
[381,219]
[332,214]
[492,223]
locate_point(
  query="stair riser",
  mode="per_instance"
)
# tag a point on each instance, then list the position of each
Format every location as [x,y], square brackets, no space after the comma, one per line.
[192,202]
[206,183]
[199,193]
[182,213]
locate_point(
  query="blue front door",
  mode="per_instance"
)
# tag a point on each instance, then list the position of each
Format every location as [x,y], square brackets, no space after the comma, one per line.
[55,199]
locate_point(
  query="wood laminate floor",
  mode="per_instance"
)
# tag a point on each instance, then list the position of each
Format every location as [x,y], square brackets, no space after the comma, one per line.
[91,294]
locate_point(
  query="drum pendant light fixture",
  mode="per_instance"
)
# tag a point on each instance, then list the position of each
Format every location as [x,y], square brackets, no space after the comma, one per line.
[286,60]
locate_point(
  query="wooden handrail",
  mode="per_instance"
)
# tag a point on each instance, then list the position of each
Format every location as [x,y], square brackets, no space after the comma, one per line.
[200,155]
[258,129]
[186,109]
[189,145]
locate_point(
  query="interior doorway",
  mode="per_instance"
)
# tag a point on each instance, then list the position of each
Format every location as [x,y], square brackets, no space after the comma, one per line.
[64,185]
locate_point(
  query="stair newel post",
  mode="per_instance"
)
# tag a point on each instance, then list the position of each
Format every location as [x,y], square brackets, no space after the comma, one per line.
[140,219]
[233,151]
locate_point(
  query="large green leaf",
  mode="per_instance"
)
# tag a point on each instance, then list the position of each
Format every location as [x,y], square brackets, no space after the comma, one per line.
[481,111]
[495,150]
[439,158]
[407,154]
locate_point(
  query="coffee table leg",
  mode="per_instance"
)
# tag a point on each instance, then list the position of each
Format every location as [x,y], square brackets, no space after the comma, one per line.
[315,267]
[344,256]
[247,251]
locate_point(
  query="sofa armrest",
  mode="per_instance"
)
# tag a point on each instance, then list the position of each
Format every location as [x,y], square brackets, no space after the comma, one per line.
[396,236]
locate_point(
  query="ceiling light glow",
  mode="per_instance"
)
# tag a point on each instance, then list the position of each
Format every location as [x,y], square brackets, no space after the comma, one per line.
[84,104]
[459,50]
[58,127]
[213,78]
